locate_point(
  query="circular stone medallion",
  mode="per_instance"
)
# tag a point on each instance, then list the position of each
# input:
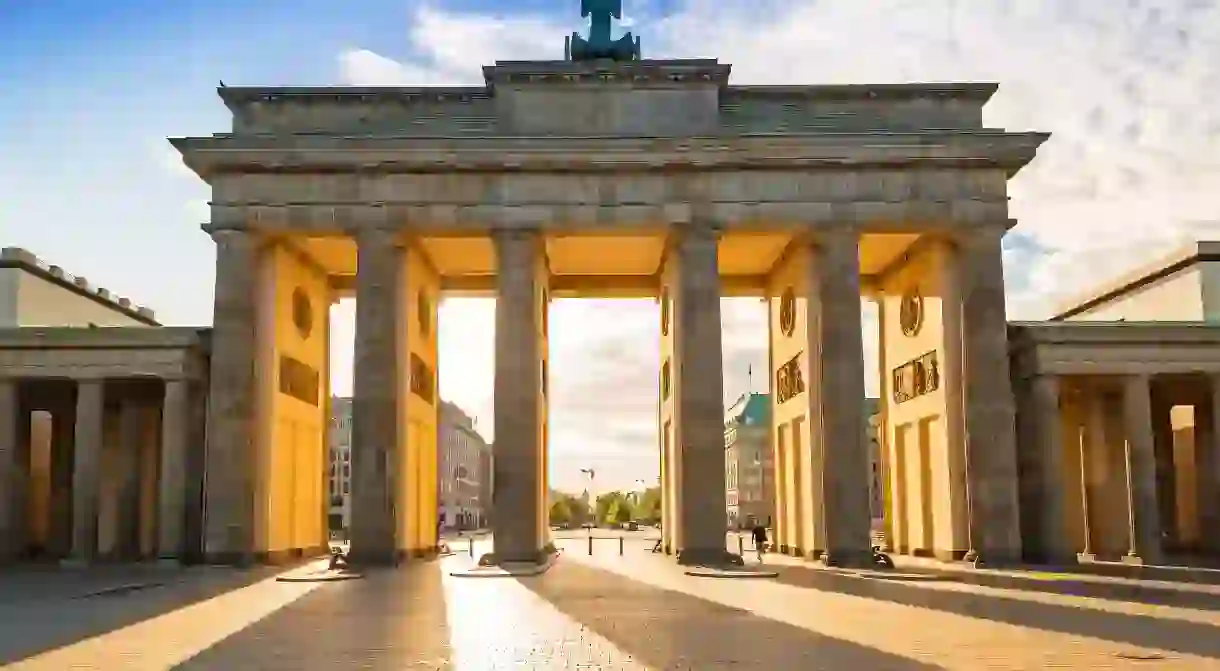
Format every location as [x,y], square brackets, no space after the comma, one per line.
[910,313]
[787,311]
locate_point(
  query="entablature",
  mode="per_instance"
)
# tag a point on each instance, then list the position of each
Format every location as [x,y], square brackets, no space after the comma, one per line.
[228,153]
[1114,348]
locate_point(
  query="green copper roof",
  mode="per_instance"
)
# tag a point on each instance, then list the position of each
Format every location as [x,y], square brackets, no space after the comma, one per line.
[751,410]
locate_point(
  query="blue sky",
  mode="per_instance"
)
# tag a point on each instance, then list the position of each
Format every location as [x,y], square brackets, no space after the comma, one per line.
[92,89]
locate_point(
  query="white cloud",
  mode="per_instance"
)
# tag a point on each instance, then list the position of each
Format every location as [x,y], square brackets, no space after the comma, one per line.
[1124,87]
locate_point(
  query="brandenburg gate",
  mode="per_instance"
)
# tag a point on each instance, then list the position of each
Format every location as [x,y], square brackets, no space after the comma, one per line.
[606,175]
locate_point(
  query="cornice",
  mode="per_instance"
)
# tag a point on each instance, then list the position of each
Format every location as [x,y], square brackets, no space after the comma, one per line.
[333,153]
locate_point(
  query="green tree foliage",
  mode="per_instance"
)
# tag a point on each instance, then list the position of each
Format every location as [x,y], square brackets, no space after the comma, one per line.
[649,509]
[561,511]
[615,508]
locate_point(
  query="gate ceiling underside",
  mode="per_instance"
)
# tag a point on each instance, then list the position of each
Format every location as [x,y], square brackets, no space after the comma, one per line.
[598,265]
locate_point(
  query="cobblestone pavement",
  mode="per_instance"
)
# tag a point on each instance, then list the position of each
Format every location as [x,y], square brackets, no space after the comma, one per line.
[951,620]
[633,612]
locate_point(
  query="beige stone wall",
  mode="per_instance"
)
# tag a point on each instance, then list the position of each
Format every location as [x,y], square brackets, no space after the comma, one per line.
[925,441]
[797,458]
[671,475]
[28,300]
[291,441]
[1178,297]
[417,474]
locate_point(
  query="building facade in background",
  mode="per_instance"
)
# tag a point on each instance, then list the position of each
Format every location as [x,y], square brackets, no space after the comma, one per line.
[339,440]
[748,467]
[464,464]
[464,467]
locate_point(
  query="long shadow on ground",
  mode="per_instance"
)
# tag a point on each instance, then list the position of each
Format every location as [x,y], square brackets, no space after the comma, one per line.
[392,619]
[1130,592]
[1151,632]
[43,609]
[665,629]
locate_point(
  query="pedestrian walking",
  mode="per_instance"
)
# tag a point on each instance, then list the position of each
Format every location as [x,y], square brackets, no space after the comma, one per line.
[760,540]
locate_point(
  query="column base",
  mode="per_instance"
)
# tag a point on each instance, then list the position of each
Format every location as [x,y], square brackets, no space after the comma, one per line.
[949,555]
[76,563]
[849,558]
[537,557]
[237,559]
[370,558]
[714,556]
[993,558]
[1057,558]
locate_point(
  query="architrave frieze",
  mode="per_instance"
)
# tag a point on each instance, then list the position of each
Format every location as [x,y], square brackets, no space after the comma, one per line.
[910,216]
[209,156]
[1113,348]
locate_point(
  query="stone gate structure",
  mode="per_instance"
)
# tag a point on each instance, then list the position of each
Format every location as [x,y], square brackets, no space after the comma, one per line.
[603,178]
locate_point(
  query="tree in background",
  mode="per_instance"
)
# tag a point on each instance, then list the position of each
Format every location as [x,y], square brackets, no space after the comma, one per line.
[649,507]
[614,508]
[561,511]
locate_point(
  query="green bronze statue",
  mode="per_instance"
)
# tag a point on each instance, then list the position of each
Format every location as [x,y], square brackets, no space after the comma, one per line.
[599,45]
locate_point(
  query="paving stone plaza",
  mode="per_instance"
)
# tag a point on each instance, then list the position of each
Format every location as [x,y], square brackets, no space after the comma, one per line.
[1047,504]
[637,611]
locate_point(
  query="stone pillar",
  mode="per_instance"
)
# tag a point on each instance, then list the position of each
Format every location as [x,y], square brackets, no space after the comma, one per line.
[1207,464]
[172,480]
[1048,441]
[230,473]
[1144,526]
[991,451]
[698,388]
[63,429]
[1166,472]
[132,433]
[518,494]
[378,396]
[10,409]
[838,390]
[86,471]
[885,461]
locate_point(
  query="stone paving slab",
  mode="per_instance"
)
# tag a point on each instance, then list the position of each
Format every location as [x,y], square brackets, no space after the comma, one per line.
[967,631]
[635,613]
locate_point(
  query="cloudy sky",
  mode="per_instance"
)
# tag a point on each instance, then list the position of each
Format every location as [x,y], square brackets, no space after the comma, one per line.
[93,87]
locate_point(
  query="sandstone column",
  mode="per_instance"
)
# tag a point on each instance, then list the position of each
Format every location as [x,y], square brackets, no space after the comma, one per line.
[63,428]
[90,400]
[230,473]
[10,544]
[518,491]
[1145,525]
[837,389]
[172,483]
[1048,436]
[1207,456]
[378,396]
[132,434]
[991,452]
[698,388]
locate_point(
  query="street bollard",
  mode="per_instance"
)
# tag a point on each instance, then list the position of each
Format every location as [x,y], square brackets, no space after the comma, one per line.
[620,546]
[590,545]
[470,545]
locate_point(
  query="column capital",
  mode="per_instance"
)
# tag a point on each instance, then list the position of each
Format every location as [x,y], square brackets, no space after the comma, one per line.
[978,235]
[1138,379]
[694,229]
[223,235]
[516,233]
